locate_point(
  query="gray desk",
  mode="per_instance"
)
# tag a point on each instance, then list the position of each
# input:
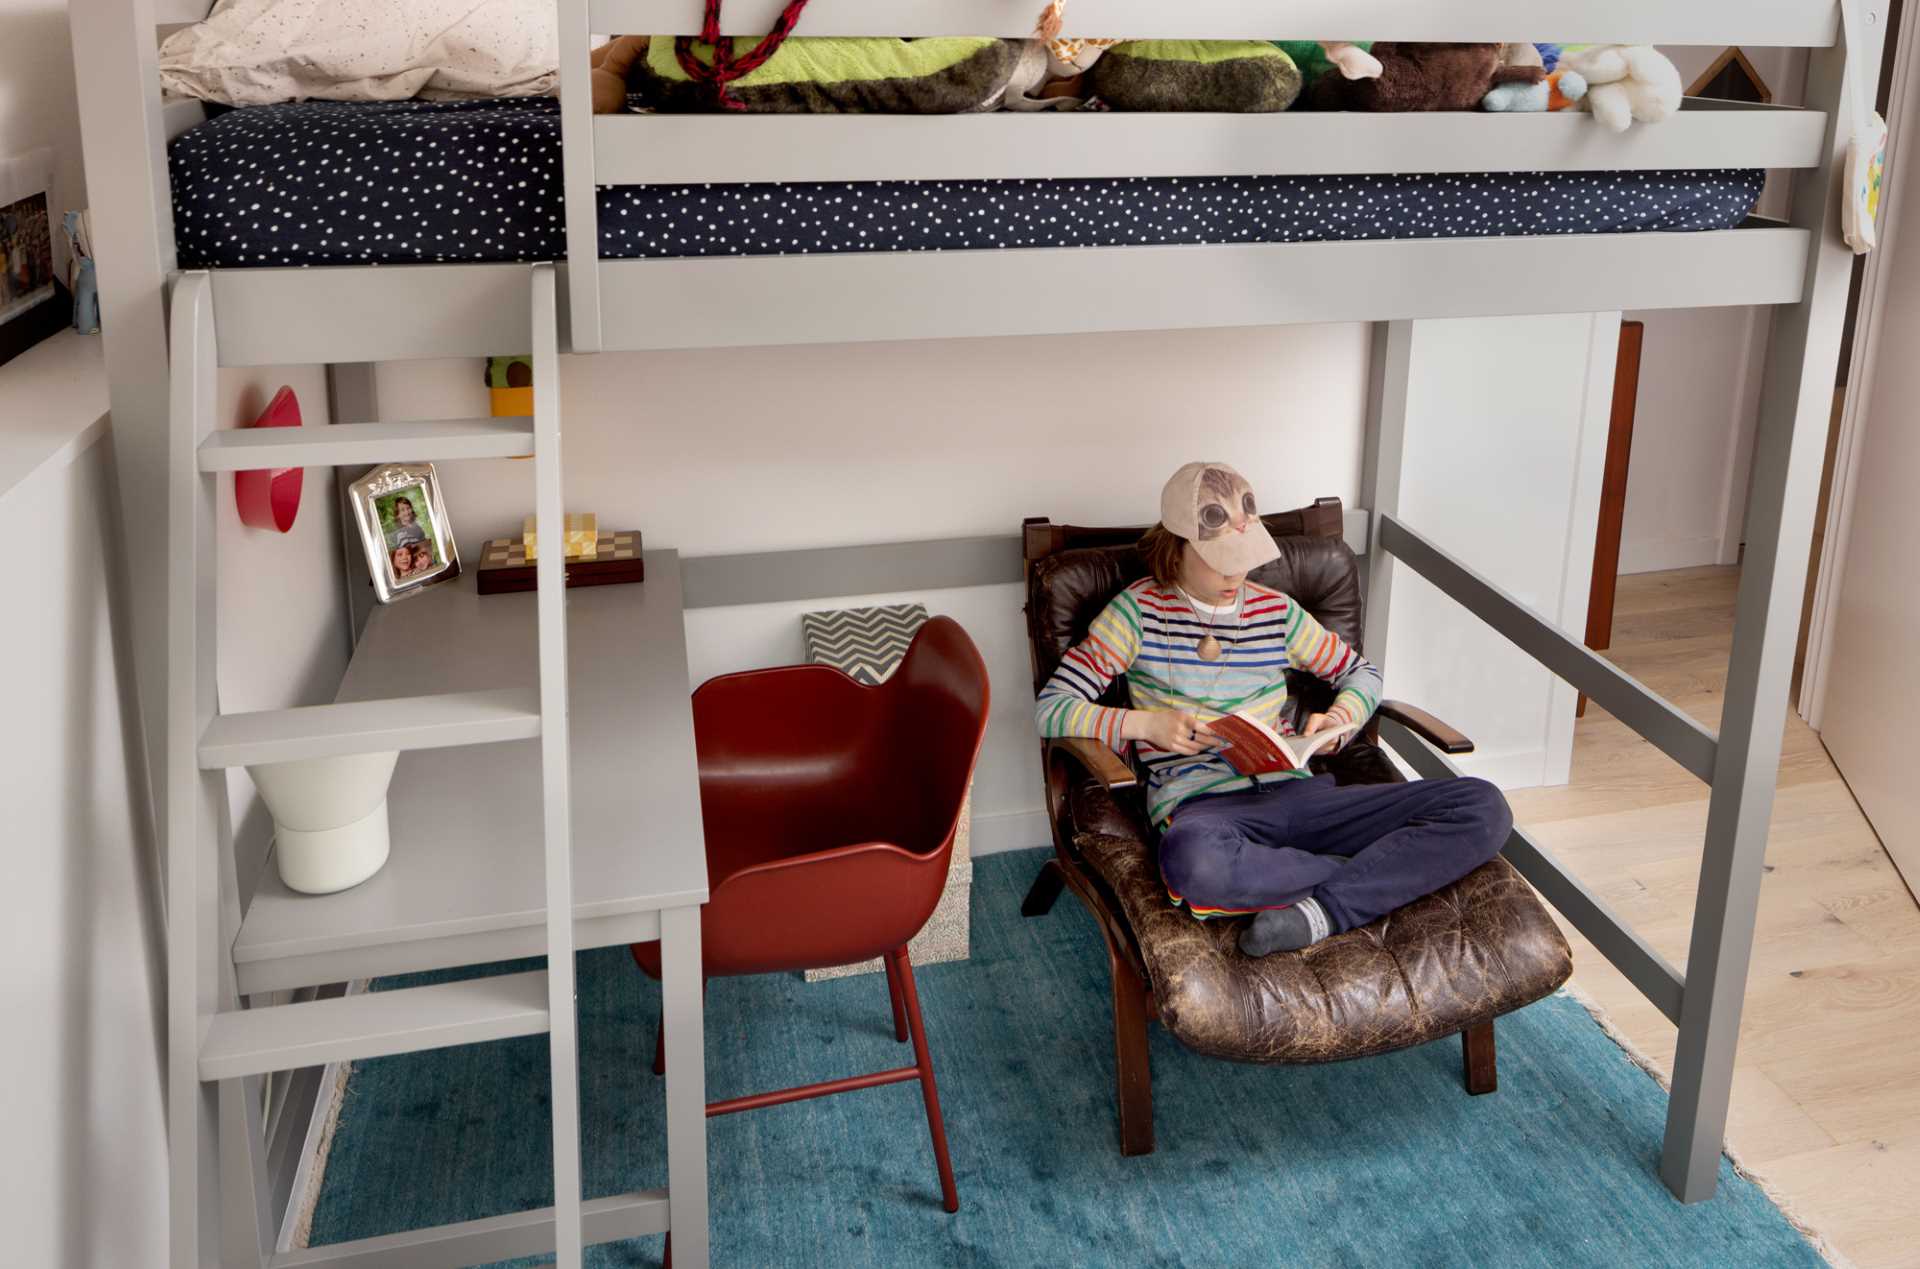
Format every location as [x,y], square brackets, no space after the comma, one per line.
[464,884]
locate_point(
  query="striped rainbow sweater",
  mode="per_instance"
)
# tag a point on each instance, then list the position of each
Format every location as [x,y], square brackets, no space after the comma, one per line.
[1151,634]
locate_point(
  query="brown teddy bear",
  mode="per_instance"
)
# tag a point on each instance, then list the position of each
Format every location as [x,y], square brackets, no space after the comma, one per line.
[611,62]
[1417,76]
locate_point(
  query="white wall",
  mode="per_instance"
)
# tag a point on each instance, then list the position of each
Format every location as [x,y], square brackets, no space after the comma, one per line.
[769,448]
[1512,491]
[765,449]
[1699,393]
[282,600]
[37,104]
[81,939]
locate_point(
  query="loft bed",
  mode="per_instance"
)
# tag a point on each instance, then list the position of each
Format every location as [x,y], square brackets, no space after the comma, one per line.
[163,367]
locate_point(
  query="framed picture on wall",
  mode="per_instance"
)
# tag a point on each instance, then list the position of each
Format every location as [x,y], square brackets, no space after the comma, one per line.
[28,313]
[404,529]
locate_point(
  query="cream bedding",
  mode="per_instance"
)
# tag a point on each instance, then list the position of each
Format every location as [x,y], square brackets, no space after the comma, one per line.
[257,52]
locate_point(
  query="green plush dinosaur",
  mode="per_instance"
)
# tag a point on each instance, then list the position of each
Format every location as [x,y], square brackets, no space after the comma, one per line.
[1249,76]
[829,75]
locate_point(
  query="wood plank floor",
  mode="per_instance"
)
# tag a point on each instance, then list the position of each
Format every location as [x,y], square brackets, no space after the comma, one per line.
[1826,1096]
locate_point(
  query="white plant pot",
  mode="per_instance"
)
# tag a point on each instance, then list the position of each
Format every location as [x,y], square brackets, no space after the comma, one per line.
[329,818]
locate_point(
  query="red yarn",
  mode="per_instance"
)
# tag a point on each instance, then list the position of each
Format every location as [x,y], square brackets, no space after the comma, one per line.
[725,68]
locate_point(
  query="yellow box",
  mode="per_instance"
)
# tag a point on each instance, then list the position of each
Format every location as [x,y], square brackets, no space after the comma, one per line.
[582,535]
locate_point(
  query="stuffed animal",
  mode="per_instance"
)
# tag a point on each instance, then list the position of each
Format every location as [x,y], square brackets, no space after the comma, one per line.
[1425,76]
[1071,59]
[1244,76]
[1560,90]
[1625,82]
[611,62]
[830,74]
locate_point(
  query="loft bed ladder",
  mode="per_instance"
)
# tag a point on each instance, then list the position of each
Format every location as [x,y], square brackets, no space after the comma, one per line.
[217,1050]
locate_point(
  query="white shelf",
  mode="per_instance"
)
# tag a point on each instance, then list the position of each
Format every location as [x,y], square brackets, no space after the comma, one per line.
[464,883]
[420,440]
[55,395]
[374,1024]
[400,722]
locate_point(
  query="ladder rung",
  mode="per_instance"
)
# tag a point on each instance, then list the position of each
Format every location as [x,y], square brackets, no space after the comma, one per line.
[421,440]
[374,1024]
[602,1220]
[401,722]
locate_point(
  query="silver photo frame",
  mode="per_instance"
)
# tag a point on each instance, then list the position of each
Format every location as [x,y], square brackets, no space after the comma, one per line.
[404,529]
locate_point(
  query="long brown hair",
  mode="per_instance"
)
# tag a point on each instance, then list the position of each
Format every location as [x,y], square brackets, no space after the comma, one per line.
[1163,549]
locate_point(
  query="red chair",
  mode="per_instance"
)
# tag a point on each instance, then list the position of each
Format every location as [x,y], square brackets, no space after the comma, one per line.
[830,812]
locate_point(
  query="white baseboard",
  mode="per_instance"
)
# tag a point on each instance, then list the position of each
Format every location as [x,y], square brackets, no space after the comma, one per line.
[1662,554]
[998,831]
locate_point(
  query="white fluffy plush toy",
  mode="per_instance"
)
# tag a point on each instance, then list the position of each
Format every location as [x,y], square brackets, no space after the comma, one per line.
[1626,82]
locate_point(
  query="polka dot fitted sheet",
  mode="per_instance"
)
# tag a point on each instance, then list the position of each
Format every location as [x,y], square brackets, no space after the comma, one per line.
[318,183]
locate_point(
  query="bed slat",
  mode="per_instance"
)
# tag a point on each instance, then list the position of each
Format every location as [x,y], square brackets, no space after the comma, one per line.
[1796,23]
[698,149]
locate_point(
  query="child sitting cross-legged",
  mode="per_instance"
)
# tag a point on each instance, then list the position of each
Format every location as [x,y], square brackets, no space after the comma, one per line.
[1196,640]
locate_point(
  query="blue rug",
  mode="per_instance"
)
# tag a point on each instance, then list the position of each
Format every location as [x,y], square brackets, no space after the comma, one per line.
[1383,1162]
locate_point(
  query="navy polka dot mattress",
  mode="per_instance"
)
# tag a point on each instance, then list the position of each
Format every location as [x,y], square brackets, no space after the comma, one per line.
[320,182]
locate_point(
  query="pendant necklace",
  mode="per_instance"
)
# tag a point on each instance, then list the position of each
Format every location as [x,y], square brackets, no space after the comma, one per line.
[1209,648]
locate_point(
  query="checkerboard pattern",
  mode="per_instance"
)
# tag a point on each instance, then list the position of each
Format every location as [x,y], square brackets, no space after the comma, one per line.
[512,552]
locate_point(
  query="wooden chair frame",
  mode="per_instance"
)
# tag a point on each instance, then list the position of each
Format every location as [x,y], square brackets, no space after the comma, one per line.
[1134,1006]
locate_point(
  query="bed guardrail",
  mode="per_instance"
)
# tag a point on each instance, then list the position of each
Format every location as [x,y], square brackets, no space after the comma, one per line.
[722,149]
[1793,23]
[716,149]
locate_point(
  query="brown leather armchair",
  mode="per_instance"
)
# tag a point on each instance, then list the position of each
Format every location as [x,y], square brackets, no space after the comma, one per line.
[1450,963]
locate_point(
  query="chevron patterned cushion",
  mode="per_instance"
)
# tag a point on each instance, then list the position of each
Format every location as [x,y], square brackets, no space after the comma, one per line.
[865,643]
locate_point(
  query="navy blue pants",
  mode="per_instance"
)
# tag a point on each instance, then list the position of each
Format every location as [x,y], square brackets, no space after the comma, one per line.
[1361,850]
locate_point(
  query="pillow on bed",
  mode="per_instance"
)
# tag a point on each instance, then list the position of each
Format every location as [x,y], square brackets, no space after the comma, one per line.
[1249,76]
[257,52]
[829,76]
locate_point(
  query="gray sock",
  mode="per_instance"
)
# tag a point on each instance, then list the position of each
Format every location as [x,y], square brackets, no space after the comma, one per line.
[1285,929]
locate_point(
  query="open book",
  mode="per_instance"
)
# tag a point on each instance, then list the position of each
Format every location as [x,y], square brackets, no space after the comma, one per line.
[1252,748]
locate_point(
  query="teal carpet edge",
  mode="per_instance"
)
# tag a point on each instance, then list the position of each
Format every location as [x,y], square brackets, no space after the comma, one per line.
[1381,1162]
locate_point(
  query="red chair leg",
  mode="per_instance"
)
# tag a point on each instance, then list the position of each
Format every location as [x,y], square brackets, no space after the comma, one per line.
[935,1125]
[893,992]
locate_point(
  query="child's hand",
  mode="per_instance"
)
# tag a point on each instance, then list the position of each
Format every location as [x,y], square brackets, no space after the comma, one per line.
[1169,730]
[1316,722]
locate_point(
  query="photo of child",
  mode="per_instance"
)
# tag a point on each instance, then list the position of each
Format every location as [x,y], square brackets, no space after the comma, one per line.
[26,255]
[406,525]
[404,530]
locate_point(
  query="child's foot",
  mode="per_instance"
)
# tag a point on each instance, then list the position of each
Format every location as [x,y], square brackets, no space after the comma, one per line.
[1286,929]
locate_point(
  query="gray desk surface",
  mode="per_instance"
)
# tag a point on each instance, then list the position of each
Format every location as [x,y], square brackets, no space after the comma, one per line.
[464,880]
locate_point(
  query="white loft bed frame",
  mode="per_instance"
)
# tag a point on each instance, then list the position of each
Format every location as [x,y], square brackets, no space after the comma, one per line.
[350,316]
